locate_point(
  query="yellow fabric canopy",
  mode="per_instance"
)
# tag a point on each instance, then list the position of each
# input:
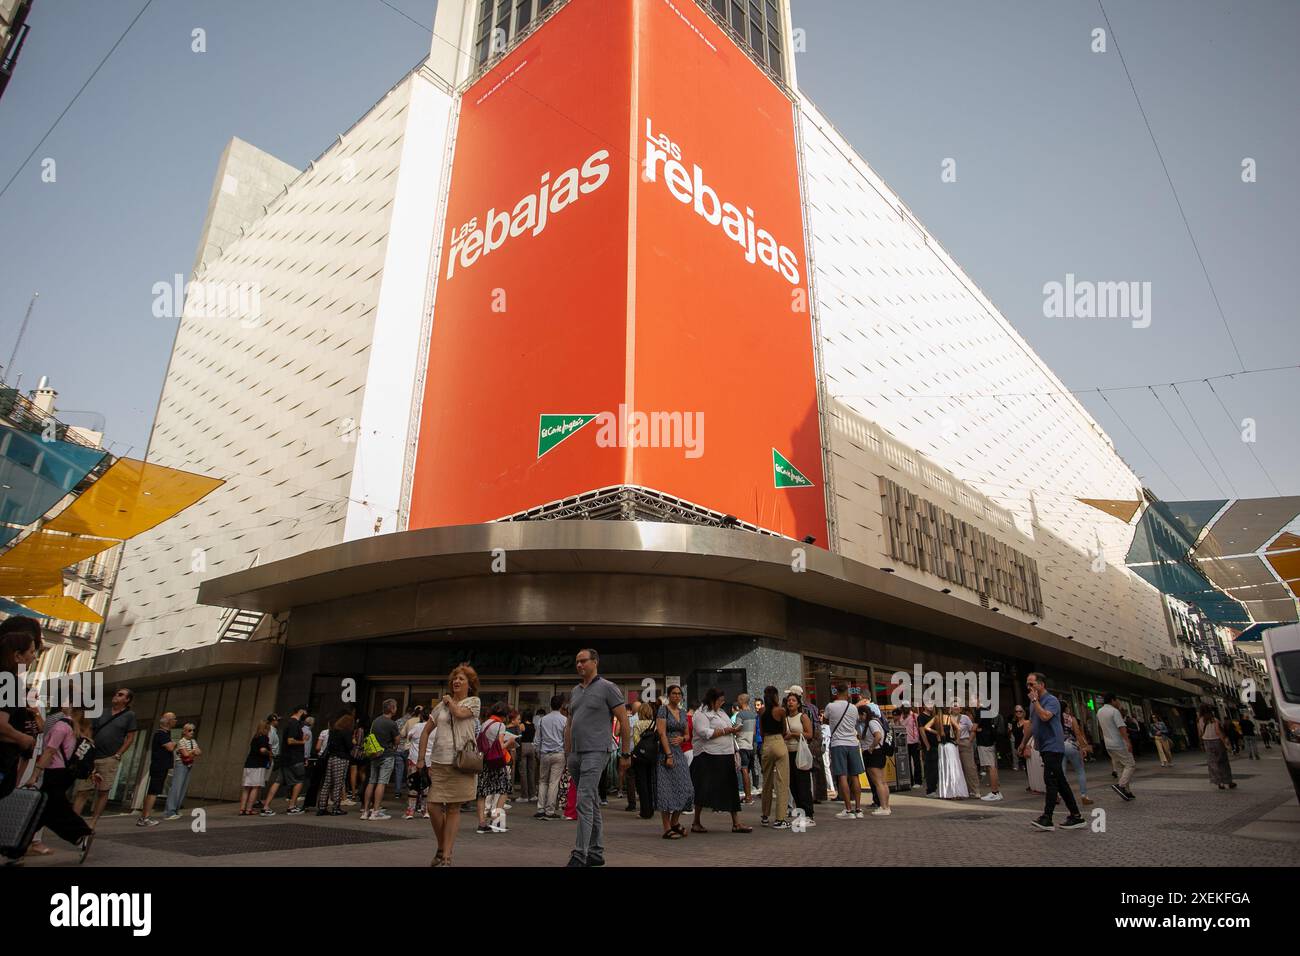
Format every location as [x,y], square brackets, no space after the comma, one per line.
[21,582]
[63,607]
[46,551]
[1123,510]
[132,497]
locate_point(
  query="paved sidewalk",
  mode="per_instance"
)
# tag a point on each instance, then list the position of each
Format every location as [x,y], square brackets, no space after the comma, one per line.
[1178,819]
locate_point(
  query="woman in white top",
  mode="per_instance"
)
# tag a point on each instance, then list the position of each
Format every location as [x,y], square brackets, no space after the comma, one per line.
[451,726]
[798,727]
[1216,752]
[713,771]
[187,749]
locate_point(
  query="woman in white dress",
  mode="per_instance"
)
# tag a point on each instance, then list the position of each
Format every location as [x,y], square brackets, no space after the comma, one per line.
[952,779]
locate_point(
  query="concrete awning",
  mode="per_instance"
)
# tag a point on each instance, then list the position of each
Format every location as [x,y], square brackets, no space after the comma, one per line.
[443,578]
[212,662]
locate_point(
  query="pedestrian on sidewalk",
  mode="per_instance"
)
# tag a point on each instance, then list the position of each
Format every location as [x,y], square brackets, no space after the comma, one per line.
[1049,740]
[161,758]
[1234,735]
[550,751]
[448,733]
[187,751]
[912,735]
[1017,731]
[746,718]
[384,730]
[1119,744]
[966,751]
[338,745]
[1077,749]
[417,779]
[495,743]
[931,723]
[114,734]
[986,736]
[846,753]
[1248,738]
[775,762]
[643,771]
[528,762]
[592,702]
[1160,734]
[674,792]
[713,771]
[293,763]
[1213,740]
[257,767]
[799,729]
[952,778]
[55,772]
[874,744]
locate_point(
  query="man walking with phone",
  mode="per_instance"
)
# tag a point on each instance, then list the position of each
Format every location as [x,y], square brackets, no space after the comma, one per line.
[1045,725]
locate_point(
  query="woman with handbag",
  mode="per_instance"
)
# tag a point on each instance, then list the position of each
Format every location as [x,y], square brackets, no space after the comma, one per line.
[798,731]
[187,751]
[455,761]
[775,762]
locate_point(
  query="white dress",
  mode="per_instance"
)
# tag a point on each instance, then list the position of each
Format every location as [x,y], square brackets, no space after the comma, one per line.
[952,778]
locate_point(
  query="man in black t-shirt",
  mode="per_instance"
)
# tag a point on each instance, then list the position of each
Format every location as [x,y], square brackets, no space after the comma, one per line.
[161,757]
[293,762]
[986,736]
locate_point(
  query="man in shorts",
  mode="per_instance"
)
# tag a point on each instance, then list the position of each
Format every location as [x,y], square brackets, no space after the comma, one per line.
[986,738]
[161,758]
[114,734]
[747,718]
[381,766]
[846,752]
[293,765]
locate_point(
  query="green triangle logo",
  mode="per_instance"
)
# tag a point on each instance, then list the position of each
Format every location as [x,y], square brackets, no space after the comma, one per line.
[786,475]
[553,429]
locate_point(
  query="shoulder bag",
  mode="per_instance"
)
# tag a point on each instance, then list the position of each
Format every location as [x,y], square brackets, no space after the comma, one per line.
[467,758]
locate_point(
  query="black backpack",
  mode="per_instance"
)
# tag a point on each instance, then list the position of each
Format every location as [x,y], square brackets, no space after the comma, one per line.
[82,761]
[646,750]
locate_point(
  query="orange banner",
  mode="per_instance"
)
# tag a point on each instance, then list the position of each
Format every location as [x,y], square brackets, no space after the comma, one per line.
[622,291]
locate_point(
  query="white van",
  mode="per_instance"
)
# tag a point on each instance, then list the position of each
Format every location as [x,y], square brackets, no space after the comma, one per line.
[1282,653]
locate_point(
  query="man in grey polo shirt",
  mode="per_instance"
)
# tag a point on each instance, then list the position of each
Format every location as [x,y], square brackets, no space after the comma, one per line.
[586,746]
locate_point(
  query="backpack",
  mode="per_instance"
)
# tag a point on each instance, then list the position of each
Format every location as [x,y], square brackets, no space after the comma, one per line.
[887,734]
[494,755]
[646,750]
[82,761]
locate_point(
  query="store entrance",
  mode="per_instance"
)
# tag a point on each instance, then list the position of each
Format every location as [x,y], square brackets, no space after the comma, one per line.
[527,696]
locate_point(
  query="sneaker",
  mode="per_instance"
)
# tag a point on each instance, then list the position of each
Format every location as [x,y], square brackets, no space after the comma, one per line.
[295,809]
[764,822]
[424,814]
[595,861]
[809,822]
[781,825]
[574,861]
[379,815]
[1121,791]
[172,816]
[539,815]
[882,812]
[84,846]
[365,814]
[915,786]
[1074,823]
[604,803]
[1087,801]
[349,802]
[846,815]
[992,797]
[1129,794]
[338,813]
[1042,823]
[267,812]
[483,828]
[146,822]
[859,815]
[408,814]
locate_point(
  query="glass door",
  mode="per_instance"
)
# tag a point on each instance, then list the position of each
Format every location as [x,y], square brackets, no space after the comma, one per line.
[491,694]
[530,698]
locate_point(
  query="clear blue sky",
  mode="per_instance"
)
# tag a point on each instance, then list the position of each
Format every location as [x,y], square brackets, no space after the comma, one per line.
[1056,174]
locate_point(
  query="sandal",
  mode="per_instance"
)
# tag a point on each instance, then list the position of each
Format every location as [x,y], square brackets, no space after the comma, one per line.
[677,828]
[741,828]
[671,834]
[696,828]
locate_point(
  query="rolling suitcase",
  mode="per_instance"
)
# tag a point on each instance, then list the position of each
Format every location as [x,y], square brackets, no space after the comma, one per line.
[19,814]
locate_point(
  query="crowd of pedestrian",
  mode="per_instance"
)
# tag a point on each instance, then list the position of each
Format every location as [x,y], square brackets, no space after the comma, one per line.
[665,757]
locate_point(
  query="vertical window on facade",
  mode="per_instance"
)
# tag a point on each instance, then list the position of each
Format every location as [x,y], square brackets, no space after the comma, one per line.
[756,25]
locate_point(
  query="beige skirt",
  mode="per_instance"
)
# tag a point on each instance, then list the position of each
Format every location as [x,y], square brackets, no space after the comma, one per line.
[449,785]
